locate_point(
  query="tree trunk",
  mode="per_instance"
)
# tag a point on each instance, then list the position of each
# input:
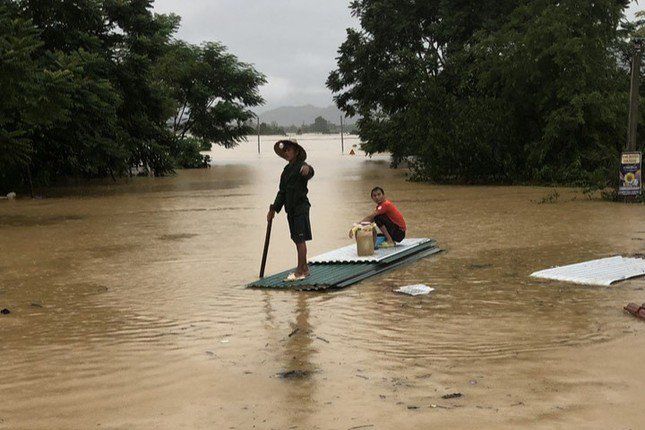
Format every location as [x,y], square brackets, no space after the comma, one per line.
[31,184]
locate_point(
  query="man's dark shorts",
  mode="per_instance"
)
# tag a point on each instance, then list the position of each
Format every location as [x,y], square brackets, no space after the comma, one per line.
[397,233]
[299,227]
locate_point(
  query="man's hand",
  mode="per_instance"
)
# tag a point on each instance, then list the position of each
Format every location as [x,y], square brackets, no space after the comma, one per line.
[305,170]
[270,215]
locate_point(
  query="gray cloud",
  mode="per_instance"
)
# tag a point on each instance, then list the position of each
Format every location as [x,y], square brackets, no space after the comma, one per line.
[293,42]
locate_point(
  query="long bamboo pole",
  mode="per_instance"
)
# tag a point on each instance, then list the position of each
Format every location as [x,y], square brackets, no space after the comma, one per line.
[265,251]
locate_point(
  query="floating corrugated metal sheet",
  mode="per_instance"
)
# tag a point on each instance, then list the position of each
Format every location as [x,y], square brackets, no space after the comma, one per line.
[341,275]
[603,272]
[347,254]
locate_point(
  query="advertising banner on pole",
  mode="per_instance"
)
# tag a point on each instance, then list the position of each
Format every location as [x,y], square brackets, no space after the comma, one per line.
[630,174]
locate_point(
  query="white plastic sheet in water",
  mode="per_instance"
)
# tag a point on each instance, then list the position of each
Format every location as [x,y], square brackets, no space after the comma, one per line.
[603,272]
[415,290]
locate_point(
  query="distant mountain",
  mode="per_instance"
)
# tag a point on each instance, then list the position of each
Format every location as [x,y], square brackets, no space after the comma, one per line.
[297,115]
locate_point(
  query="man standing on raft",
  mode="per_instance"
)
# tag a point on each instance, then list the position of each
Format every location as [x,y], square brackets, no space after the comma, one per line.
[292,194]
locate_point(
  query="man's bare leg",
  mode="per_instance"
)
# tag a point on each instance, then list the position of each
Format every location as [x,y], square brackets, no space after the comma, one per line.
[303,268]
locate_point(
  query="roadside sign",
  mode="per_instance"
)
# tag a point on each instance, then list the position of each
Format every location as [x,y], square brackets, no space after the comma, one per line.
[630,174]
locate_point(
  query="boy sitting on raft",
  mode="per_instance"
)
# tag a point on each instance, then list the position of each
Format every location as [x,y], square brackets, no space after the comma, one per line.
[292,194]
[388,219]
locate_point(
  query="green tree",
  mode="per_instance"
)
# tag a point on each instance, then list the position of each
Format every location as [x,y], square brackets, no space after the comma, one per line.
[32,96]
[563,92]
[270,129]
[83,96]
[18,78]
[138,39]
[402,70]
[213,92]
[639,27]
[321,125]
[88,141]
[508,91]
[93,43]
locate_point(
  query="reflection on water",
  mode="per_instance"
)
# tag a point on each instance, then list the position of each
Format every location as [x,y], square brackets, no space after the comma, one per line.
[128,299]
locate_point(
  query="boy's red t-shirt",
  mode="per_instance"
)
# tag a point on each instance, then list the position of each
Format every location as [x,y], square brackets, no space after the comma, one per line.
[388,208]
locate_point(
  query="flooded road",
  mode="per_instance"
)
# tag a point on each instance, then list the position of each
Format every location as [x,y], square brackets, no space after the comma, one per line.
[128,306]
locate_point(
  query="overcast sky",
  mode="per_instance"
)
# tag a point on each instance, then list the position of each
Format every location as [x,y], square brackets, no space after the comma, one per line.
[293,42]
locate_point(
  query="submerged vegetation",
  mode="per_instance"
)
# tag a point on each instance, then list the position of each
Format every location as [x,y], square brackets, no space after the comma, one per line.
[97,88]
[506,92]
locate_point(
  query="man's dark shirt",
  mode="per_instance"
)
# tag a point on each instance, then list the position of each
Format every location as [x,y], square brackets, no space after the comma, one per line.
[293,189]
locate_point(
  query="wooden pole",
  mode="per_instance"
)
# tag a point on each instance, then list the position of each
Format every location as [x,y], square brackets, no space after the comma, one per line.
[342,139]
[633,98]
[258,134]
[265,251]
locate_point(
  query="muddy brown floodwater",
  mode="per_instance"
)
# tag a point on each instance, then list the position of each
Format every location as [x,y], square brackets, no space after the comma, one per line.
[128,307]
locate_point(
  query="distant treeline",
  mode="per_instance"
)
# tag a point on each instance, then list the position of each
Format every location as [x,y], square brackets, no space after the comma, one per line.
[100,88]
[509,91]
[320,125]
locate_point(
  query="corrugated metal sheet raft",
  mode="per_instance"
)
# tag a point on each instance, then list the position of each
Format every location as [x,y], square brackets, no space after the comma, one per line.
[603,272]
[343,274]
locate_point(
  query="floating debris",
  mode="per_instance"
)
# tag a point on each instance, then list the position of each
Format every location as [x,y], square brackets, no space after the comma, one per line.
[177,236]
[637,311]
[294,332]
[366,426]
[415,290]
[480,266]
[294,374]
[451,396]
[603,272]
[5,311]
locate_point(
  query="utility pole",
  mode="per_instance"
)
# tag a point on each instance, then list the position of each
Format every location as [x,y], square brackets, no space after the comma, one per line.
[258,122]
[633,95]
[630,184]
[342,139]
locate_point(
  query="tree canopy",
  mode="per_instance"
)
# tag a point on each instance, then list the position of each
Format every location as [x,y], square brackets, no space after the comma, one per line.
[91,88]
[508,91]
[212,91]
